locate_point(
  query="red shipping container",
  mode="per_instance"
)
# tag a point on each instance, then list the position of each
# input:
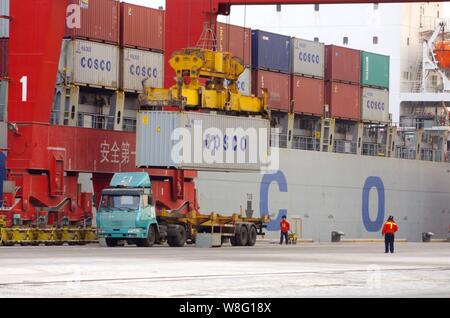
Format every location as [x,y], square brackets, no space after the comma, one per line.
[4,48]
[344,100]
[99,21]
[308,95]
[235,39]
[141,27]
[278,85]
[342,64]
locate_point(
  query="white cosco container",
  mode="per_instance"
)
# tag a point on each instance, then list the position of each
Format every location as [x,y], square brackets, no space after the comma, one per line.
[200,141]
[375,105]
[88,63]
[308,58]
[4,23]
[140,68]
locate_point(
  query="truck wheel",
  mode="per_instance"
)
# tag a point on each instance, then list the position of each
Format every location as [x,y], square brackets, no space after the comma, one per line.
[179,239]
[150,240]
[252,235]
[110,242]
[242,236]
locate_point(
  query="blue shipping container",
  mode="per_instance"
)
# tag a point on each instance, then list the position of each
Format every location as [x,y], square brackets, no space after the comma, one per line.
[2,173]
[271,51]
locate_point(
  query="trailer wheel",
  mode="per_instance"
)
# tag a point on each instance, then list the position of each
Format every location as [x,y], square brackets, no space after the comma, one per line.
[242,236]
[252,235]
[110,242]
[150,240]
[180,237]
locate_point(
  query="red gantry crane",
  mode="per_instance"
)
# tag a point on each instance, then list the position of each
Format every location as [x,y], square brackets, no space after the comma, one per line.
[44,160]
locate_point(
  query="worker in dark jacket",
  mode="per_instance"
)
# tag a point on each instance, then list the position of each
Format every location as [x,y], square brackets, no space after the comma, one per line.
[284,228]
[389,229]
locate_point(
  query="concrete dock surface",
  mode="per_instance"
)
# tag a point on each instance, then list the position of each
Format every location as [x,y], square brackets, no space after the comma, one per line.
[266,270]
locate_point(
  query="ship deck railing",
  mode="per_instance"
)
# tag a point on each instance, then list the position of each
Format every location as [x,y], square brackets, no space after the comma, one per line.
[278,140]
[405,153]
[431,155]
[92,120]
[345,146]
[305,143]
[373,149]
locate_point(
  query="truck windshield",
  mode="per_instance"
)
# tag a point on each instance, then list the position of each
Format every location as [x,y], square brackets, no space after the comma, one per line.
[119,202]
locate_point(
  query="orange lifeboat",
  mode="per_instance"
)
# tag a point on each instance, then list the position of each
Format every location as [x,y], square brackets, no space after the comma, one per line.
[442,51]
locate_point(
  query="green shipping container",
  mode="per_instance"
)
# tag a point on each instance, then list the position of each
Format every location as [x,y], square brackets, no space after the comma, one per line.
[375,70]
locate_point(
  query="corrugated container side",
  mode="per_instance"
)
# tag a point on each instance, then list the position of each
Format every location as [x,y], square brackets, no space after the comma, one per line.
[4,23]
[141,27]
[92,64]
[342,64]
[139,66]
[244,83]
[278,85]
[308,95]
[344,100]
[271,51]
[3,103]
[308,58]
[235,39]
[156,147]
[375,105]
[374,70]
[99,21]
[4,50]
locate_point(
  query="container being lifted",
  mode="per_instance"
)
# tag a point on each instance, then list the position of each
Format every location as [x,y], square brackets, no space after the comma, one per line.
[127,213]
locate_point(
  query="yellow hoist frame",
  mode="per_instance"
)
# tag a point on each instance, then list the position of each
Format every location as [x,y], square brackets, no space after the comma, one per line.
[221,72]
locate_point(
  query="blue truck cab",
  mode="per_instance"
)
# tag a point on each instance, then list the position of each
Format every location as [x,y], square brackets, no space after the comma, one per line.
[126,211]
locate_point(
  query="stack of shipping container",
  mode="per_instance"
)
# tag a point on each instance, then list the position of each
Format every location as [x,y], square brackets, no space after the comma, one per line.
[375,88]
[308,71]
[4,45]
[119,46]
[343,95]
[238,41]
[343,78]
[271,64]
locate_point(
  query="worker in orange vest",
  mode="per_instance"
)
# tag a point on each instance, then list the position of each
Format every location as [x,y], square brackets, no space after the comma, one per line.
[284,228]
[389,229]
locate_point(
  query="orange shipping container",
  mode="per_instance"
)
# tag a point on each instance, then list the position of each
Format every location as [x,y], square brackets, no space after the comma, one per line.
[308,95]
[278,85]
[342,64]
[141,27]
[344,100]
[99,21]
[235,39]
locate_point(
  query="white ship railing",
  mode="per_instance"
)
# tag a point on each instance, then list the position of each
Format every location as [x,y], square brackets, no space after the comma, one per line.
[278,140]
[129,124]
[431,155]
[97,121]
[405,153]
[306,143]
[373,149]
[344,146]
